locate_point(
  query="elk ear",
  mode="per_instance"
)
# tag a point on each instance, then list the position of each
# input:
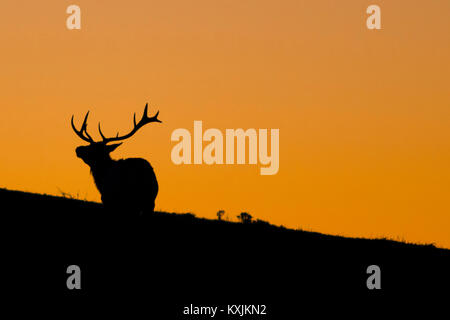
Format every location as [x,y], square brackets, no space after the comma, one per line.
[112,147]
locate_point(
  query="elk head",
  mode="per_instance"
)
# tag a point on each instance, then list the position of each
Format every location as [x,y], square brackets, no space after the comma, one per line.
[98,152]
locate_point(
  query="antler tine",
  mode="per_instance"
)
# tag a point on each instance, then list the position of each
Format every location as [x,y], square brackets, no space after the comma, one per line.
[153,119]
[84,127]
[83,130]
[144,120]
[100,131]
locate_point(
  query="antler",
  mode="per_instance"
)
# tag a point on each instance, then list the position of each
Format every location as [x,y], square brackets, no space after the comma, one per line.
[83,131]
[144,120]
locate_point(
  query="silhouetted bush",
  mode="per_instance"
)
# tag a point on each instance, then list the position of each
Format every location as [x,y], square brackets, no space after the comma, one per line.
[245,217]
[220,214]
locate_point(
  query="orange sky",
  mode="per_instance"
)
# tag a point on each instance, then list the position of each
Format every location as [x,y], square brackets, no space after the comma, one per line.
[364,116]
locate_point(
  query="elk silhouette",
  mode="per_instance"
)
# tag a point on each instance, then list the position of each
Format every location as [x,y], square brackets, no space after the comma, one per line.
[126,185]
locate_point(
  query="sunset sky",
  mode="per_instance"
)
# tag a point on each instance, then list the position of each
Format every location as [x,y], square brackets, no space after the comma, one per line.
[364,115]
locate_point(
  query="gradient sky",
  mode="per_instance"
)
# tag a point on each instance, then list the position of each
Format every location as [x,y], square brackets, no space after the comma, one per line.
[364,116]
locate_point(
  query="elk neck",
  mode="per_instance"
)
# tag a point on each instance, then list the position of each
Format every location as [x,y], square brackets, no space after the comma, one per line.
[100,168]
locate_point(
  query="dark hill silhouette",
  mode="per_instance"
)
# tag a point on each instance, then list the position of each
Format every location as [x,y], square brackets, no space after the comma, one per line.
[165,261]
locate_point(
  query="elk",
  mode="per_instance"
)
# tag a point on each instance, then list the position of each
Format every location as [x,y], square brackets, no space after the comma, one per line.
[126,185]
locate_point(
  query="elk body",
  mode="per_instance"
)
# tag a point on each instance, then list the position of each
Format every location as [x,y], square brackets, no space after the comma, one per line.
[127,185]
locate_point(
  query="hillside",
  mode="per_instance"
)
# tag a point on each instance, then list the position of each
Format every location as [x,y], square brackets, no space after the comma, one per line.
[175,259]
